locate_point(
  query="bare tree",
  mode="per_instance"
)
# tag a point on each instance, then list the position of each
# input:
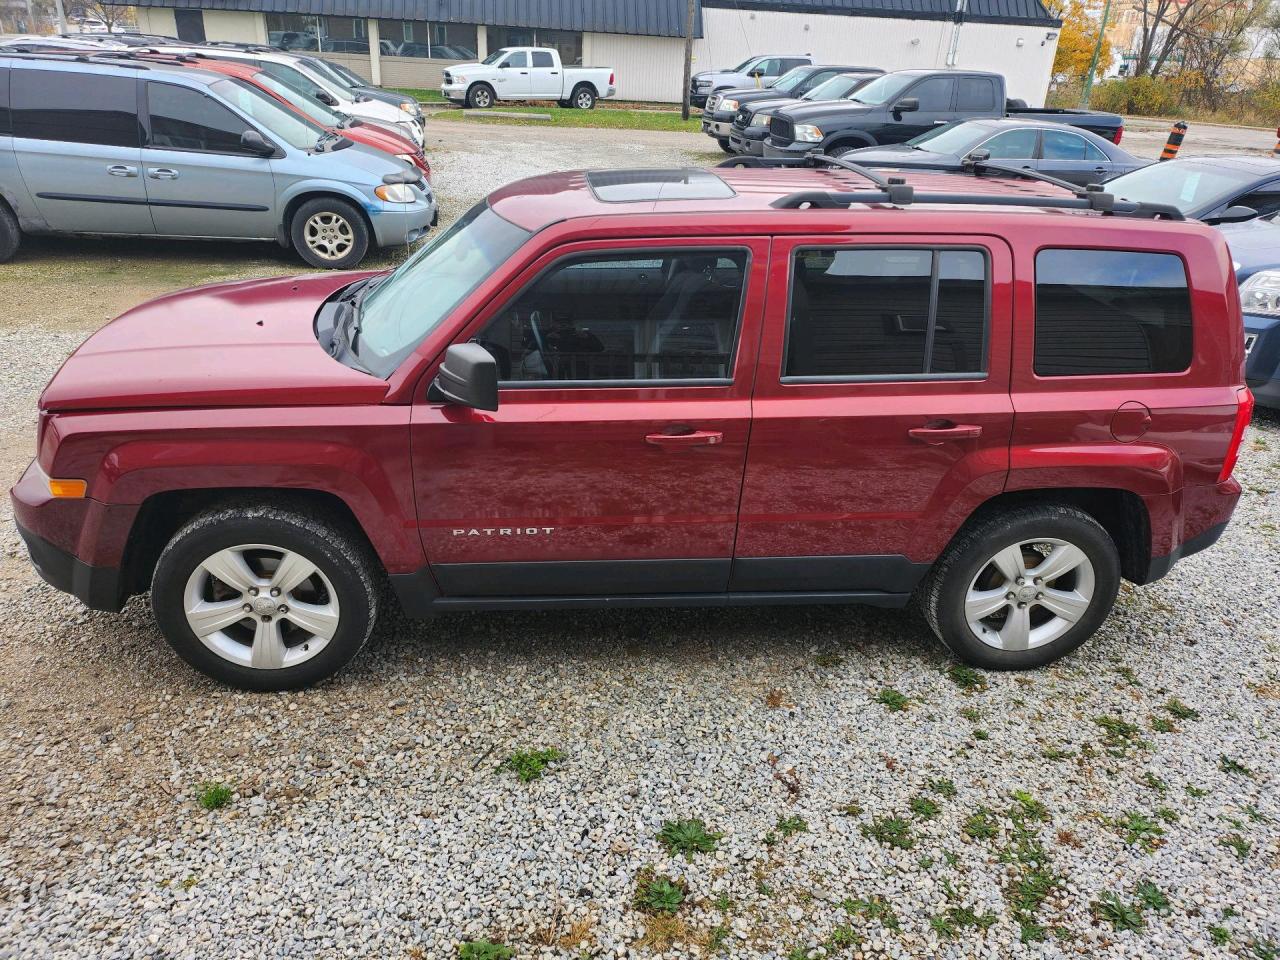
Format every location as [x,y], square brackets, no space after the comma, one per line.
[111,14]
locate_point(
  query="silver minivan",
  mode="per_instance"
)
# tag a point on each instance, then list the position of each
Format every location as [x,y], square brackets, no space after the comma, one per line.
[127,148]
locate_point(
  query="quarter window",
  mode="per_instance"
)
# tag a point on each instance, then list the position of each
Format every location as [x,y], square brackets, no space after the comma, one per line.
[887,313]
[183,119]
[1111,311]
[624,317]
[74,107]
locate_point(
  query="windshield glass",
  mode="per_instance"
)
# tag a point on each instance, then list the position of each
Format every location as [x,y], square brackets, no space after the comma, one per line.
[883,89]
[1185,184]
[276,119]
[495,56]
[742,67]
[313,108]
[952,138]
[835,88]
[791,79]
[329,73]
[411,302]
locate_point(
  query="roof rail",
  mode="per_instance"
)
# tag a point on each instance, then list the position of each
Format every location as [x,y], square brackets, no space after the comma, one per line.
[102,58]
[896,191]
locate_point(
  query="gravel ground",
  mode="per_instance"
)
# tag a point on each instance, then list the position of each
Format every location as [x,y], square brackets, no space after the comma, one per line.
[369,817]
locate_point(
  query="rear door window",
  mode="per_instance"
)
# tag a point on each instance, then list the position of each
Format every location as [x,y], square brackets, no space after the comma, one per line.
[5,128]
[542,59]
[1060,145]
[73,107]
[976,94]
[887,313]
[1102,312]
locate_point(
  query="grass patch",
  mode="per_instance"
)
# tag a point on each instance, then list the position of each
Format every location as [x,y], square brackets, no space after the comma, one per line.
[894,700]
[787,826]
[943,788]
[1155,783]
[966,678]
[1151,896]
[420,94]
[873,908]
[529,765]
[950,923]
[1180,711]
[1028,807]
[1236,844]
[602,117]
[980,825]
[213,796]
[890,832]
[1109,908]
[1220,936]
[1139,830]
[1227,765]
[658,894]
[924,808]
[688,837]
[1119,735]
[484,950]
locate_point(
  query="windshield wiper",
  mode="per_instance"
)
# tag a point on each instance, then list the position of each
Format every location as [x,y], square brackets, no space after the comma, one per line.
[324,138]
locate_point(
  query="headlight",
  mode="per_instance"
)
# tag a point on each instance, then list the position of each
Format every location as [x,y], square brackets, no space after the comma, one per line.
[760,120]
[395,192]
[808,133]
[727,105]
[703,83]
[457,79]
[1261,293]
[407,158]
[410,107]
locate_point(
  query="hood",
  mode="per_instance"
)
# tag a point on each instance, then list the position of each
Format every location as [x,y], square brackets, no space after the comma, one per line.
[750,94]
[357,165]
[809,111]
[381,138]
[244,343]
[900,154]
[774,103]
[1255,245]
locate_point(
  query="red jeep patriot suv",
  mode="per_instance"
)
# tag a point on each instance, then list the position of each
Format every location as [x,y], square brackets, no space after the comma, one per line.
[693,387]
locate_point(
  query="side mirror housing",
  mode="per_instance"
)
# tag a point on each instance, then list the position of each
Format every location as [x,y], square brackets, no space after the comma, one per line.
[504,65]
[257,144]
[468,377]
[1236,214]
[906,105]
[981,155]
[326,98]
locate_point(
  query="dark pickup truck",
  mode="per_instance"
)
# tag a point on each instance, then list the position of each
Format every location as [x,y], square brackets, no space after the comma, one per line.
[898,106]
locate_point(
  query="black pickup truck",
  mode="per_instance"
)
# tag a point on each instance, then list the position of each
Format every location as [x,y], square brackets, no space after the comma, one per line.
[897,106]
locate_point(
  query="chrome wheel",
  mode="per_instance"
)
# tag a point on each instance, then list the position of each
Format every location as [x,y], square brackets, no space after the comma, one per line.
[1029,594]
[481,98]
[261,606]
[328,235]
[584,100]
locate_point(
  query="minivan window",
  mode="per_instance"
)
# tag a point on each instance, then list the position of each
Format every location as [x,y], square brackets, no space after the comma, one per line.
[1109,312]
[887,313]
[412,301]
[185,119]
[74,107]
[5,128]
[624,317]
[279,121]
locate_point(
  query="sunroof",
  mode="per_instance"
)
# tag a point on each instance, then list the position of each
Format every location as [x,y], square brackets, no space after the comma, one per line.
[631,186]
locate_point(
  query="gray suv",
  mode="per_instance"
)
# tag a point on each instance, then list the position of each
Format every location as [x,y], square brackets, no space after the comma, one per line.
[96,147]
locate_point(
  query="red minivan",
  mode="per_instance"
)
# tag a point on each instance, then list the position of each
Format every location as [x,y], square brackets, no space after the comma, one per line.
[663,387]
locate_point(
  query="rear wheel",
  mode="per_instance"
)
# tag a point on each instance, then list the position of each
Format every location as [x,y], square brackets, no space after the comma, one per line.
[584,98]
[1023,588]
[10,234]
[331,233]
[480,97]
[263,598]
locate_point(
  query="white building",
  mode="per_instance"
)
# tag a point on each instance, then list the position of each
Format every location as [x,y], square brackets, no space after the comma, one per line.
[408,43]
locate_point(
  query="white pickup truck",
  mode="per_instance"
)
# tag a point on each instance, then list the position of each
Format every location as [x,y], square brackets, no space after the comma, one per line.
[526,73]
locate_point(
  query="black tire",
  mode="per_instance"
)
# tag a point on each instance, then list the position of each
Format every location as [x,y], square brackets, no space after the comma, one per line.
[564,104]
[10,233]
[480,96]
[584,98]
[349,243]
[337,553]
[724,144]
[942,596]
[841,151]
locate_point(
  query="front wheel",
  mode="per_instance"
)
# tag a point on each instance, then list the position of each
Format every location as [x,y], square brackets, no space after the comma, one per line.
[263,598]
[480,97]
[330,233]
[724,144]
[1023,588]
[10,233]
[584,98]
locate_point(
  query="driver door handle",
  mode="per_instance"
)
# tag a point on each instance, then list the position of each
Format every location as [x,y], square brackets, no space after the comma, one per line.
[696,438]
[122,170]
[162,173]
[945,430]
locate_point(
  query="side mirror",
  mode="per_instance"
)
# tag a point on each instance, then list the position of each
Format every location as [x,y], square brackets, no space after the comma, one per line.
[326,98]
[468,377]
[906,105]
[1235,214]
[256,143]
[981,155]
[757,72]
[504,65]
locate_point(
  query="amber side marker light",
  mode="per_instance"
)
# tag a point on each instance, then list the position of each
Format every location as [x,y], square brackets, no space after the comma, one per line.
[68,489]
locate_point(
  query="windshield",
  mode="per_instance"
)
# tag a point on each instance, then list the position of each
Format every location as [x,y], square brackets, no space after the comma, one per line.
[742,67]
[279,121]
[298,99]
[835,88]
[411,302]
[353,79]
[883,89]
[791,79]
[952,138]
[495,56]
[1185,184]
[327,71]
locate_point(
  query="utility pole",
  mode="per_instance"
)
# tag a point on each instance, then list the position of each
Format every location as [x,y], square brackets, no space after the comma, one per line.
[62,16]
[688,59]
[1097,52]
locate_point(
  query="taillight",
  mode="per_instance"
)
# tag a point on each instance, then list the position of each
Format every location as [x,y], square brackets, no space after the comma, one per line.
[1118,134]
[1244,412]
[611,78]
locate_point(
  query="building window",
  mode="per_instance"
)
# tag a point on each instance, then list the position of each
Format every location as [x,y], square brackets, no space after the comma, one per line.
[567,43]
[417,38]
[294,31]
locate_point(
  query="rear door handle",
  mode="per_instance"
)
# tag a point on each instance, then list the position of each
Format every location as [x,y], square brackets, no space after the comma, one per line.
[122,170]
[942,432]
[696,438]
[162,173]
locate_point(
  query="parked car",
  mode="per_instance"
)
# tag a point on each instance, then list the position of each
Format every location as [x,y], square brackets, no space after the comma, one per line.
[720,108]
[540,410]
[526,73]
[1212,189]
[33,42]
[359,86]
[98,146]
[758,71]
[1074,155]
[899,106]
[1255,254]
[751,122]
[295,71]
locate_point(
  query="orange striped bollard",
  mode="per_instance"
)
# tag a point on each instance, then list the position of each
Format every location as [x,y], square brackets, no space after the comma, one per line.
[1275,151]
[1176,133]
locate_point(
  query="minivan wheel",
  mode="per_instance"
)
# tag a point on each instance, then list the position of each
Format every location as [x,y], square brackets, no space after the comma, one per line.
[480,96]
[1022,588]
[584,98]
[331,233]
[263,598]
[10,233]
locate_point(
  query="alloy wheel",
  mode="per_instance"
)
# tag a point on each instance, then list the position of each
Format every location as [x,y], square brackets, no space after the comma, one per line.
[328,235]
[584,100]
[1029,594]
[261,606]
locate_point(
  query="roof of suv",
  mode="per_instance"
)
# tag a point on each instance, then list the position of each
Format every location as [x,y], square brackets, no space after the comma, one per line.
[540,201]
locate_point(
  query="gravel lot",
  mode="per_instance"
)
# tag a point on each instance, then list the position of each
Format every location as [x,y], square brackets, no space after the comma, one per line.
[369,817]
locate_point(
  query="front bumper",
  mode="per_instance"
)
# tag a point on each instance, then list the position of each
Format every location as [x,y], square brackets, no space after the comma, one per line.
[456,92]
[720,129]
[790,151]
[1262,364]
[98,588]
[395,224]
[741,141]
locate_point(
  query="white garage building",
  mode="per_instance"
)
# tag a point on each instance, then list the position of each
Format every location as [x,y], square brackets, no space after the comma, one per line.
[408,43]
